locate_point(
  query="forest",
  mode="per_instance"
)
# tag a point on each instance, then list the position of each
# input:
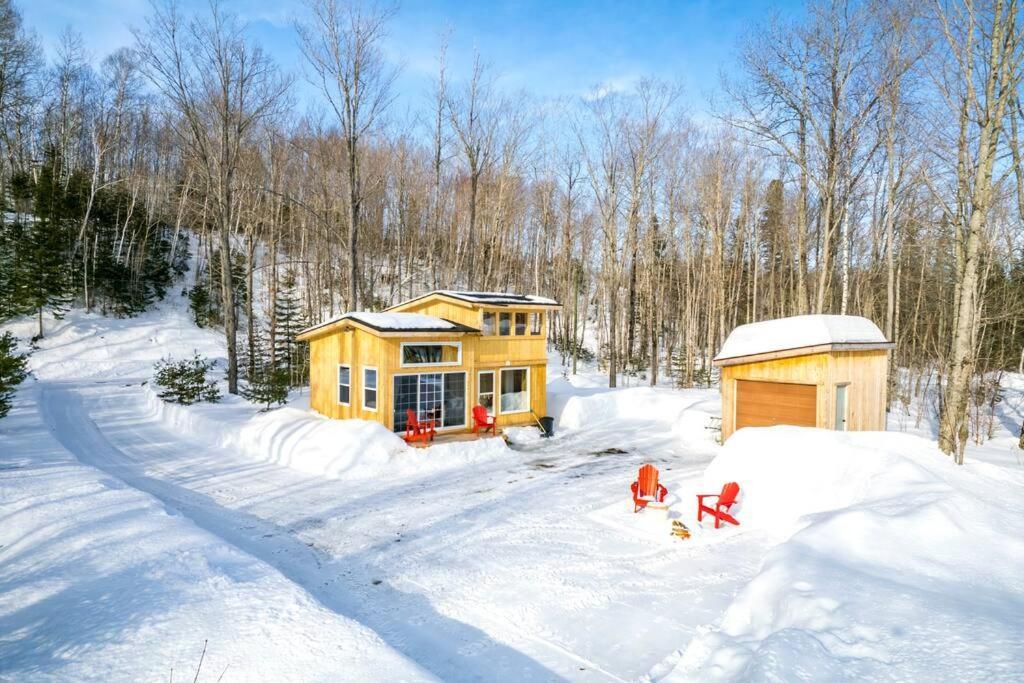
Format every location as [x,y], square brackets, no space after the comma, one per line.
[864,158]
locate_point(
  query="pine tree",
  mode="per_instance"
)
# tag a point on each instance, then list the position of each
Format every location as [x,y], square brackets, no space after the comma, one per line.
[199,303]
[12,370]
[289,355]
[42,275]
[43,278]
[186,381]
[268,385]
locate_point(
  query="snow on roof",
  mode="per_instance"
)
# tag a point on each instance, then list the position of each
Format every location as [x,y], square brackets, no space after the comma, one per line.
[498,298]
[397,322]
[798,332]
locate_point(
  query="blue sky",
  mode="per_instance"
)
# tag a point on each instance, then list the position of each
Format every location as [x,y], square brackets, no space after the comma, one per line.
[549,48]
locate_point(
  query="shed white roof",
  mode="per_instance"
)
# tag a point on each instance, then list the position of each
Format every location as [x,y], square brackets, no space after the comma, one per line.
[798,332]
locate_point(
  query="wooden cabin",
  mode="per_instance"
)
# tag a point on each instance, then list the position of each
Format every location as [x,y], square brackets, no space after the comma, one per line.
[439,355]
[826,371]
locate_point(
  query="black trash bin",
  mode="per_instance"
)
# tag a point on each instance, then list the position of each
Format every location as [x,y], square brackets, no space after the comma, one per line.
[548,425]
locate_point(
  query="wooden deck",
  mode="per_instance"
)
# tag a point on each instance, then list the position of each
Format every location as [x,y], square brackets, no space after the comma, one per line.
[455,438]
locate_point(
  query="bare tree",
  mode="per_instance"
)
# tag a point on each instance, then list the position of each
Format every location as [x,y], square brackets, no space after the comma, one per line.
[984,43]
[472,114]
[19,65]
[220,85]
[342,45]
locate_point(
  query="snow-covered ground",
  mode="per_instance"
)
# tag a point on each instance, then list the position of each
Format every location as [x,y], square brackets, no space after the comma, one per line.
[299,548]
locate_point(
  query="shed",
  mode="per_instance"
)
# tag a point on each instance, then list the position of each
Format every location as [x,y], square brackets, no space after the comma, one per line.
[825,371]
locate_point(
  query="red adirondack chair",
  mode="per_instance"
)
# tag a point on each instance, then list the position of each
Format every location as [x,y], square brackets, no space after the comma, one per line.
[481,420]
[720,511]
[416,429]
[646,488]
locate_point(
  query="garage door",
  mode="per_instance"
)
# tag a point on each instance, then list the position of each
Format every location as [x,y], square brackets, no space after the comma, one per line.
[763,404]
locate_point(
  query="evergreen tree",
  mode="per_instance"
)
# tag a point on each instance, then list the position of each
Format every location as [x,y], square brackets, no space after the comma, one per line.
[289,355]
[268,385]
[12,370]
[200,304]
[42,276]
[186,381]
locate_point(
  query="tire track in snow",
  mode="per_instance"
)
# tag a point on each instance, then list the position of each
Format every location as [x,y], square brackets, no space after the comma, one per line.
[405,621]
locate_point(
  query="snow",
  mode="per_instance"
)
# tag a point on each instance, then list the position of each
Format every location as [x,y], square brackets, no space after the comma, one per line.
[900,565]
[308,442]
[503,298]
[308,549]
[393,321]
[798,332]
[100,581]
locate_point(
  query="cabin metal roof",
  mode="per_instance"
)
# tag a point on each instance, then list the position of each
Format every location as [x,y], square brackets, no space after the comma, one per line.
[496,299]
[395,322]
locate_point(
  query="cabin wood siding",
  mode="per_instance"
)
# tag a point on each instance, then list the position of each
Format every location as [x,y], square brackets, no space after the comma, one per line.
[443,308]
[359,348]
[864,373]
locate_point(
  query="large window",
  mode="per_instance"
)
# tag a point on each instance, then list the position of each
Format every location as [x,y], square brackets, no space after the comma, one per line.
[485,390]
[535,323]
[504,324]
[344,384]
[520,323]
[515,390]
[433,353]
[437,396]
[369,388]
[488,326]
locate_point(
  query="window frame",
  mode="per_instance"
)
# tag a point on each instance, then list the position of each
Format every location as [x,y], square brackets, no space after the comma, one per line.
[526,323]
[440,427]
[536,323]
[507,316]
[375,389]
[457,361]
[348,385]
[492,392]
[501,376]
[494,323]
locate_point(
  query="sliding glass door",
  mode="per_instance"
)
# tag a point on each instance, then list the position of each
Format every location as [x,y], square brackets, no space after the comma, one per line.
[437,396]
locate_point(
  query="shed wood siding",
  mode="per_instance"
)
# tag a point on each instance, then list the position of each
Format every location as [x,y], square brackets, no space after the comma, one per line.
[764,404]
[863,371]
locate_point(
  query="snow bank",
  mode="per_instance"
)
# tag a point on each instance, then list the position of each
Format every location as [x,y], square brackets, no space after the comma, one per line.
[797,332]
[639,403]
[788,472]
[523,436]
[695,427]
[687,414]
[311,443]
[908,567]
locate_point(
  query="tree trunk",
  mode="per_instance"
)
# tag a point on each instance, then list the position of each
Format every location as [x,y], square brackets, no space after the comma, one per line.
[227,291]
[353,225]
